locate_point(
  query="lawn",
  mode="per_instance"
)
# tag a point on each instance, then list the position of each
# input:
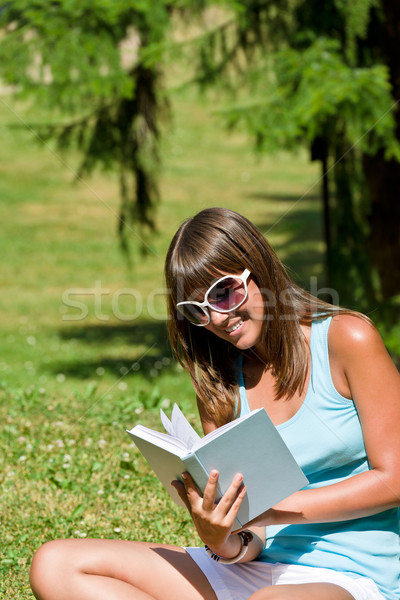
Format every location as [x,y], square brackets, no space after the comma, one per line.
[83,349]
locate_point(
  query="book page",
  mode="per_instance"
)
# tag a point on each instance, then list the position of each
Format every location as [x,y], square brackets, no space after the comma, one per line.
[180,427]
[157,438]
[166,423]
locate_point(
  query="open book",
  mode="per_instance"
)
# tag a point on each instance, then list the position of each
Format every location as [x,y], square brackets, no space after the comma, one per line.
[250,445]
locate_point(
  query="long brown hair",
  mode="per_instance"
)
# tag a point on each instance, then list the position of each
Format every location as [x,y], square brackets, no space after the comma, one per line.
[218,241]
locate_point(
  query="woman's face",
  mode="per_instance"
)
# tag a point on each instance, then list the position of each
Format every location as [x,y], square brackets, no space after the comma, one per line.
[243,326]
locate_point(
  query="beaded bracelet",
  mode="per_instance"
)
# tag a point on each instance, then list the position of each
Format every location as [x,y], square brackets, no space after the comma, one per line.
[245,537]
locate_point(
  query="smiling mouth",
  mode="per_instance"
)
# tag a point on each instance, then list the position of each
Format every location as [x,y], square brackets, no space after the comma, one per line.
[234,327]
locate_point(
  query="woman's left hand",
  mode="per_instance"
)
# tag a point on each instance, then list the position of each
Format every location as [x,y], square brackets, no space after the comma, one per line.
[213,520]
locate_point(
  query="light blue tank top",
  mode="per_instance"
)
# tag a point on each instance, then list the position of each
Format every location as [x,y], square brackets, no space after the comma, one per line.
[326,439]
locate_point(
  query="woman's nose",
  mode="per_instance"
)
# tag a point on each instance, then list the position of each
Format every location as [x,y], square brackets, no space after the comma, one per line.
[217,318]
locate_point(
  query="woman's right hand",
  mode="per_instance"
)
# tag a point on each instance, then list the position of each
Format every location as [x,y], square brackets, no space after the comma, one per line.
[213,520]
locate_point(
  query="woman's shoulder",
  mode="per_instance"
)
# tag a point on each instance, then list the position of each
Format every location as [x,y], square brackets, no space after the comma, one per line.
[352,326]
[355,348]
[353,334]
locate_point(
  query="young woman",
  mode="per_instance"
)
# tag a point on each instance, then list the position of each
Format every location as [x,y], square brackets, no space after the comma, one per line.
[251,338]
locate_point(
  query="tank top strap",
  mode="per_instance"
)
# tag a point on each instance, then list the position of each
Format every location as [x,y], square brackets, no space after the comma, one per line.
[320,366]
[244,403]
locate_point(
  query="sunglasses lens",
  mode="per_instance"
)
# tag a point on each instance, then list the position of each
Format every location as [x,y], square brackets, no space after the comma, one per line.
[227,294]
[193,313]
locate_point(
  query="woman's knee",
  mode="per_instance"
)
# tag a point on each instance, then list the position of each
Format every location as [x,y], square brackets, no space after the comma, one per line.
[48,569]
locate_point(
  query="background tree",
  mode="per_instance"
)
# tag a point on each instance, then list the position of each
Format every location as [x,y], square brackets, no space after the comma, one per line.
[92,71]
[324,75]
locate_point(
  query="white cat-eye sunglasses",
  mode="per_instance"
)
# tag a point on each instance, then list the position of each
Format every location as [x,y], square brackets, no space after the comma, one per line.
[224,295]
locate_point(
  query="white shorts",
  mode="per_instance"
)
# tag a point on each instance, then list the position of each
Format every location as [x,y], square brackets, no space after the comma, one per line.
[239,581]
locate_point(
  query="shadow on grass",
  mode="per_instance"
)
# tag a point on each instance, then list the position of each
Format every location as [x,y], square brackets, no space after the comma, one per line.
[299,235]
[150,354]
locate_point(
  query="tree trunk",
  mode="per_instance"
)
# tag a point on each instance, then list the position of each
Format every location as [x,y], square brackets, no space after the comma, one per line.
[383,180]
[319,151]
[383,177]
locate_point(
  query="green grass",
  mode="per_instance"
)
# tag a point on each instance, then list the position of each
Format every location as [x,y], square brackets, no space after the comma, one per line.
[69,387]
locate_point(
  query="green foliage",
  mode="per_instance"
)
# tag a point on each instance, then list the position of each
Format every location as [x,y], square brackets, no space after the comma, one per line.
[65,54]
[310,93]
[82,62]
[356,16]
[293,69]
